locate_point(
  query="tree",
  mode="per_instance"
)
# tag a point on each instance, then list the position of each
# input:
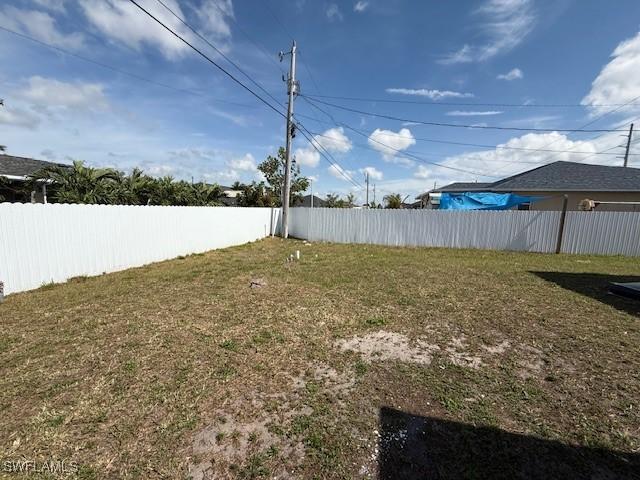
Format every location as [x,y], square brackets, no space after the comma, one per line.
[256,195]
[393,200]
[334,201]
[350,201]
[80,184]
[273,170]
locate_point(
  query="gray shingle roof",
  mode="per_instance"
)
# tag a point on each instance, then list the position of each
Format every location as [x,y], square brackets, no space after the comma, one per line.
[463,187]
[572,176]
[558,177]
[21,166]
[306,202]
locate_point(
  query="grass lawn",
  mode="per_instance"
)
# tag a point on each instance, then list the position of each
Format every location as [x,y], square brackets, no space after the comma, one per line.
[355,362]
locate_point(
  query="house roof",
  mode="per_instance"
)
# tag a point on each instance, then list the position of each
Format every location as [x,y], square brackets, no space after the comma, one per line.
[572,176]
[306,202]
[462,187]
[558,177]
[21,166]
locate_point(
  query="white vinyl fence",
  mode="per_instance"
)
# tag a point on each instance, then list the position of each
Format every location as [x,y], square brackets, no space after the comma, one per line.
[611,233]
[52,243]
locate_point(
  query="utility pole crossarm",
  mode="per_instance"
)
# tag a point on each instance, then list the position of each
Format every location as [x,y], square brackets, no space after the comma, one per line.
[292,91]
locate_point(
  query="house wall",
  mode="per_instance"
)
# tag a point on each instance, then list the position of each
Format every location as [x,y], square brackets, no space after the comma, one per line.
[555,203]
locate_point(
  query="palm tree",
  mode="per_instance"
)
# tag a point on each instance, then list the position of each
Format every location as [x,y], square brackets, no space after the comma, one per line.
[80,184]
[393,200]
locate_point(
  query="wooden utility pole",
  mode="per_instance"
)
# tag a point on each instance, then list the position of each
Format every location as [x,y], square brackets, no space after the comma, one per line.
[366,179]
[292,91]
[626,153]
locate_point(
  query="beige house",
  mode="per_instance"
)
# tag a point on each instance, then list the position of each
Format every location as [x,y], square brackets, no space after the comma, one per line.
[579,181]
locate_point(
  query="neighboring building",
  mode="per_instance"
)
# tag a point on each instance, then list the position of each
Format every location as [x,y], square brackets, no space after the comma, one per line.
[231,195]
[577,180]
[306,202]
[17,170]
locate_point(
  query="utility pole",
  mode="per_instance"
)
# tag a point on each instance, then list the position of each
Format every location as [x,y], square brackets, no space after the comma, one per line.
[292,88]
[626,153]
[311,184]
[2,147]
[366,179]
[374,194]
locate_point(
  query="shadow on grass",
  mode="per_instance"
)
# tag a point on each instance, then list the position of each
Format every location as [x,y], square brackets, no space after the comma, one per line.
[415,447]
[595,285]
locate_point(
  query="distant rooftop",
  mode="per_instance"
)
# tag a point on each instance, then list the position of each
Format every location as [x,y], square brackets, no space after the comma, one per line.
[558,177]
[22,166]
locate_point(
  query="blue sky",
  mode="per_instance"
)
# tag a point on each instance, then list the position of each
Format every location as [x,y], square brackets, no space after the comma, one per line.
[59,107]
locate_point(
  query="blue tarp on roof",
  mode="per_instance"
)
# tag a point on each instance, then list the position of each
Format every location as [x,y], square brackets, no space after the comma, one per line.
[483,201]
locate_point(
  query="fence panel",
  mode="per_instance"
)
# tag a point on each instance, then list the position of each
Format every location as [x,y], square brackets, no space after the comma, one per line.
[52,243]
[607,233]
[532,231]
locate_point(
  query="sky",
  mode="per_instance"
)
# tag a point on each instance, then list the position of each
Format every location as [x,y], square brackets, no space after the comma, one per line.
[100,81]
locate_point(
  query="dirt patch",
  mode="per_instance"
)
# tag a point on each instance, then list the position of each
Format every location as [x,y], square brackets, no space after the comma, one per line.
[248,436]
[530,362]
[384,345]
[498,349]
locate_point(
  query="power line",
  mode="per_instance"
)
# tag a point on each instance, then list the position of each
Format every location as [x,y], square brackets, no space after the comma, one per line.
[328,157]
[203,55]
[218,51]
[457,125]
[410,155]
[478,145]
[120,71]
[430,154]
[248,37]
[469,104]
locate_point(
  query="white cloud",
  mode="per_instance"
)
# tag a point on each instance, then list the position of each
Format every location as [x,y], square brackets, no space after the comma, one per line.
[18,117]
[513,74]
[432,94]
[360,6]
[374,173]
[246,163]
[422,172]
[503,162]
[618,81]
[49,92]
[214,16]
[40,25]
[390,143]
[340,173]
[334,13]
[307,157]
[506,24]
[124,22]
[466,113]
[54,5]
[333,140]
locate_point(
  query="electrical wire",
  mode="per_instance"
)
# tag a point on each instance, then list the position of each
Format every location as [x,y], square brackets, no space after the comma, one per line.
[218,51]
[120,71]
[328,157]
[478,145]
[468,104]
[203,55]
[457,125]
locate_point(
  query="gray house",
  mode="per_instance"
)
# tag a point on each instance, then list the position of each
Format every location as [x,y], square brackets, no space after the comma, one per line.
[579,181]
[15,172]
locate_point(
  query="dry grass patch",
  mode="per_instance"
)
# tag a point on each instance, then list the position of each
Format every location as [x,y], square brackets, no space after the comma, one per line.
[185,368]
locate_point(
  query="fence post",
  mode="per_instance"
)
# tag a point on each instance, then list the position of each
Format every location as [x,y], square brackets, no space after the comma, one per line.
[563,215]
[271,225]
